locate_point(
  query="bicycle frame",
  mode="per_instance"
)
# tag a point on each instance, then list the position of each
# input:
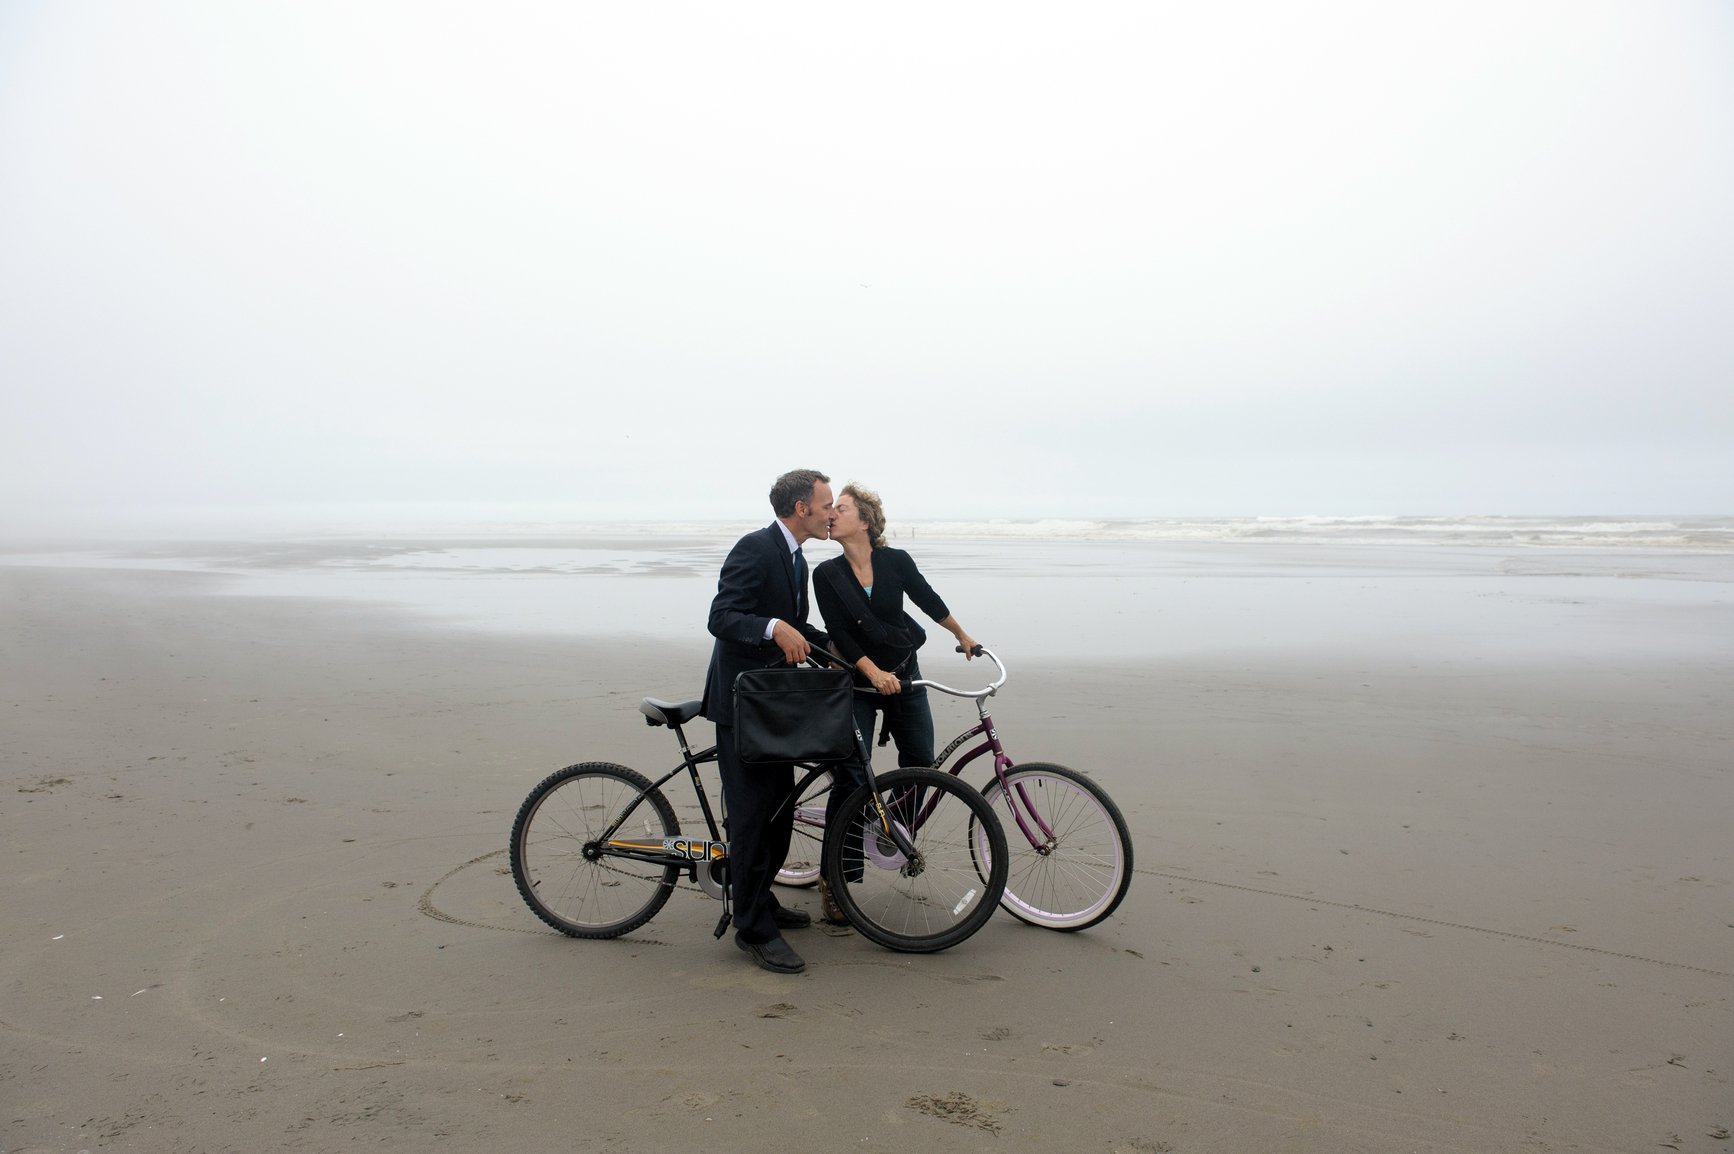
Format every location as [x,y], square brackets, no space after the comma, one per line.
[683,852]
[686,853]
[1043,844]
[1001,763]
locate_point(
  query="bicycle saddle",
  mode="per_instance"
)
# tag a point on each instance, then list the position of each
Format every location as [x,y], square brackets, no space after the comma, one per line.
[668,712]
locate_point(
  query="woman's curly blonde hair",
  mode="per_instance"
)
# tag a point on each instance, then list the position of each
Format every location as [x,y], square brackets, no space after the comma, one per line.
[872,512]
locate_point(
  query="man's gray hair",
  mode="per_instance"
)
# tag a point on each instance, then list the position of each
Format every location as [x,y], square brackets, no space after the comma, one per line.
[795,485]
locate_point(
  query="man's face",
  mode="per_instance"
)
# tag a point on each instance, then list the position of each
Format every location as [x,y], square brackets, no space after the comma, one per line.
[813,518]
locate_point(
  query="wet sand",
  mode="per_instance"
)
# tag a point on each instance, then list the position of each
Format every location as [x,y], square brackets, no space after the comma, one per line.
[1423,897]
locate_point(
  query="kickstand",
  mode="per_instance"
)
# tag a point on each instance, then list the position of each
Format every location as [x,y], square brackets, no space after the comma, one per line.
[722,923]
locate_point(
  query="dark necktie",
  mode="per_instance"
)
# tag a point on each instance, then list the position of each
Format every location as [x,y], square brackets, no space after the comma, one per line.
[800,583]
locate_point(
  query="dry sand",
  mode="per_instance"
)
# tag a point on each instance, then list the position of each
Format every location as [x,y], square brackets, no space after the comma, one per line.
[256,898]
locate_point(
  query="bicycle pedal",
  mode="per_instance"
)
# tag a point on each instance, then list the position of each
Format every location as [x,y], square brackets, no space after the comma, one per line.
[722,924]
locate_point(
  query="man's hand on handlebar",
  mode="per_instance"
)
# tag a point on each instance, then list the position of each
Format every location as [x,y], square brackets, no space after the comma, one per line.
[790,641]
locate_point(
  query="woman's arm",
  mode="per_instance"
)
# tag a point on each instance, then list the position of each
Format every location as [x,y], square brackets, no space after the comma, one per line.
[916,586]
[964,641]
[884,682]
[844,643]
[932,604]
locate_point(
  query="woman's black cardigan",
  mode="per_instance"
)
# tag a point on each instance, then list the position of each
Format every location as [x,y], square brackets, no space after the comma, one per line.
[894,574]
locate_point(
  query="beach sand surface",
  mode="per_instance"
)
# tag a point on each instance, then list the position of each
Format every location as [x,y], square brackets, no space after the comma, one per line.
[256,898]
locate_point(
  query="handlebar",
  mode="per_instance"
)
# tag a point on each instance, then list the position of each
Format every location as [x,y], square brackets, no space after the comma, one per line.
[978,694]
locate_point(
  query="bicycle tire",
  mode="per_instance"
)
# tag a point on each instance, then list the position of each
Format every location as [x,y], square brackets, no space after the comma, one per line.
[597,896]
[806,857]
[1085,874]
[947,900]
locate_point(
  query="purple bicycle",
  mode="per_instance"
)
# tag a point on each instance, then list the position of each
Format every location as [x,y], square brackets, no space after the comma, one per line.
[1070,851]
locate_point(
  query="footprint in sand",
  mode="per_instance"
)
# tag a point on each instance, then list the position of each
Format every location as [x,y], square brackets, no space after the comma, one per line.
[958,1109]
[1073,1050]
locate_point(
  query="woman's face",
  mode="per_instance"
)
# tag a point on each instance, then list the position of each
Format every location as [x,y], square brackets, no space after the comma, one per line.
[848,522]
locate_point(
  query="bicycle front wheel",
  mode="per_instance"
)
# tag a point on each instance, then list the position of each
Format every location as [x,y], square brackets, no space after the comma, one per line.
[807,844]
[950,887]
[567,878]
[1079,865]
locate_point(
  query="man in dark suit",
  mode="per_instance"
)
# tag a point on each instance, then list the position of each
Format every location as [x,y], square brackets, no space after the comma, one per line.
[759,618]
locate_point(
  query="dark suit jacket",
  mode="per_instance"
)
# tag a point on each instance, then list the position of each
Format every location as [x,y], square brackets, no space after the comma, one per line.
[757,584]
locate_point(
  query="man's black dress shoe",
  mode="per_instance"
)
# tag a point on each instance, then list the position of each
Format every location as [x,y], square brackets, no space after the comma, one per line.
[774,955]
[788,919]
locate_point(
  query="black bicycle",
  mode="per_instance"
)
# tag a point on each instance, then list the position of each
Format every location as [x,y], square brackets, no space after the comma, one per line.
[917,864]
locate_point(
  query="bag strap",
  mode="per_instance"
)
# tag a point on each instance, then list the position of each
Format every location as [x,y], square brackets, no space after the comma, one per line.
[865,619]
[848,591]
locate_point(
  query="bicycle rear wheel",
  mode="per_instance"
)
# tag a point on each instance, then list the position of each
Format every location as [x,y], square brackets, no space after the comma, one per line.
[950,888]
[561,872]
[1076,877]
[802,866]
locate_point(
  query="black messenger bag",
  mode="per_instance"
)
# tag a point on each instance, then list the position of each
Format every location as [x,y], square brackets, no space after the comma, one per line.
[794,713]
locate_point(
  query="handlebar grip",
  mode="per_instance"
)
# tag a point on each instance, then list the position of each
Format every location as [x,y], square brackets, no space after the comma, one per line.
[975,650]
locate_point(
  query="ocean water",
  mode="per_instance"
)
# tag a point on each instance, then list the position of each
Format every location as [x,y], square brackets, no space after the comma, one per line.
[1598,589]
[1611,532]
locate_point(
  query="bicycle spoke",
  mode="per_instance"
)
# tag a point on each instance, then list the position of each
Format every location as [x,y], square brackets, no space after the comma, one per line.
[600,896]
[1078,875]
[949,888]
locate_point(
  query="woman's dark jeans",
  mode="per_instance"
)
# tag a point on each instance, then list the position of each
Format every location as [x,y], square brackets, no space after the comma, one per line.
[909,720]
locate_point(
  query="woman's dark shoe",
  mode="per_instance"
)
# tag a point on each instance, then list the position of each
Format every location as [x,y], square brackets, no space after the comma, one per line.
[828,908]
[774,955]
[787,919]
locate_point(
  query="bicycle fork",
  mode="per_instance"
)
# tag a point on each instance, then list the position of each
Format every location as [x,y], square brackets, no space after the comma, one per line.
[913,863]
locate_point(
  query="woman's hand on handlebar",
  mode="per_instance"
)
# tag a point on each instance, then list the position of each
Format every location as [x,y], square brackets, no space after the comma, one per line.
[885,683]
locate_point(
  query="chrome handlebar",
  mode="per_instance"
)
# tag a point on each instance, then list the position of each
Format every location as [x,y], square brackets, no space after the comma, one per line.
[978,694]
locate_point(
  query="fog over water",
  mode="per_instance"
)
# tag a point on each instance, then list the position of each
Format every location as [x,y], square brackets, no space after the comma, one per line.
[324,267]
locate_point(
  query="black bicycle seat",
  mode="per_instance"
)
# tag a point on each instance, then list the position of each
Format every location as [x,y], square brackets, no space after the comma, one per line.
[668,712]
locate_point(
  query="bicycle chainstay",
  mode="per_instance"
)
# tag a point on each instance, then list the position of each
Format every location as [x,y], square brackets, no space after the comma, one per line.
[606,862]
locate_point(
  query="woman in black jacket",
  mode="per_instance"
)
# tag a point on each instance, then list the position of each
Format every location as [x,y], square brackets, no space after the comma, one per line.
[861,596]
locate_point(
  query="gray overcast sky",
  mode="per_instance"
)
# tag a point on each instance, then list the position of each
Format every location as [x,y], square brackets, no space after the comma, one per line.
[632,260]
